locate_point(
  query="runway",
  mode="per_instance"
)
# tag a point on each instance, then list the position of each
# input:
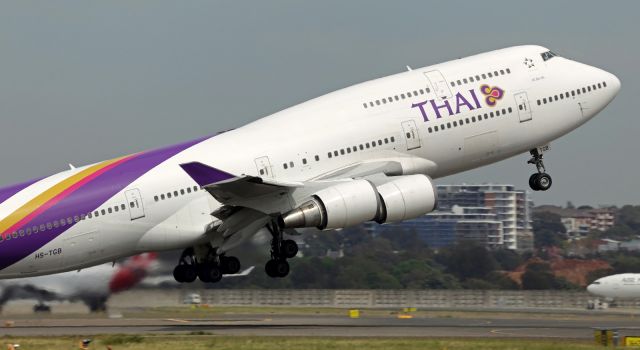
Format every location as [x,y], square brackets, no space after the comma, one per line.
[323,325]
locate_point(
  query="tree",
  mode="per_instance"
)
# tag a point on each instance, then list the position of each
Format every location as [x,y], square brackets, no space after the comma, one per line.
[467,259]
[508,259]
[548,229]
[538,276]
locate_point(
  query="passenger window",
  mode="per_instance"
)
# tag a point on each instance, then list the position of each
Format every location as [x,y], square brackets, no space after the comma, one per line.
[448,125]
[489,74]
[520,106]
[188,190]
[396,97]
[461,121]
[599,86]
[510,110]
[486,116]
[335,153]
[386,140]
[484,76]
[317,158]
[430,130]
[366,145]
[544,100]
[348,149]
[415,93]
[155,198]
[508,71]
[421,92]
[495,73]
[393,139]
[467,120]
[284,165]
[42,227]
[370,104]
[168,196]
[459,82]
[377,102]
[604,83]
[109,210]
[21,232]
[361,147]
[28,231]
[473,119]
[304,161]
[182,190]
[573,93]
[379,142]
[465,80]
[56,224]
[555,97]
[162,196]
[342,151]
[477,78]
[502,72]
[329,155]
[435,128]
[584,91]
[116,208]
[409,94]
[491,114]
[589,88]
[497,113]
[384,101]
[471,79]
[364,105]
[455,124]
[402,96]
[453,83]
[195,188]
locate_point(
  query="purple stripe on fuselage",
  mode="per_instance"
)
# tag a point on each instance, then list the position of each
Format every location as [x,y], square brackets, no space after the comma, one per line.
[9,191]
[86,199]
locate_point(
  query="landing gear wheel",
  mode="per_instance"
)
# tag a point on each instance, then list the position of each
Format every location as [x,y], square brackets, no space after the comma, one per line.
[203,273]
[229,264]
[215,274]
[543,182]
[277,268]
[184,273]
[540,181]
[289,248]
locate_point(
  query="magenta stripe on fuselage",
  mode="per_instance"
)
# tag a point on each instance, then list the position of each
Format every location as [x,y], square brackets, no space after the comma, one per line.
[86,199]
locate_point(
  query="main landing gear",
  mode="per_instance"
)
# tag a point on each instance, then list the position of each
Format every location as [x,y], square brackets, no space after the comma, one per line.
[208,268]
[281,250]
[540,181]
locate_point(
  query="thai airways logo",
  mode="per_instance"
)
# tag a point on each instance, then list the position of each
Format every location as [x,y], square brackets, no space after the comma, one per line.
[461,101]
[492,93]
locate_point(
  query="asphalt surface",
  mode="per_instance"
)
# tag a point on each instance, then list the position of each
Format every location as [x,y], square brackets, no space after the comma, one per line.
[323,325]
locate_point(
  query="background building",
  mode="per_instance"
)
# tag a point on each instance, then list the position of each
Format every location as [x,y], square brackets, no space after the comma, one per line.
[493,215]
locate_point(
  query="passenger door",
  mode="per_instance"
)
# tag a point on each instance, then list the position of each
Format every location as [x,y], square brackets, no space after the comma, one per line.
[411,134]
[439,84]
[135,204]
[264,167]
[524,109]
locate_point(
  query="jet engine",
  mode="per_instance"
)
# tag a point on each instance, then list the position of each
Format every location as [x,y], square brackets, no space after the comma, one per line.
[354,202]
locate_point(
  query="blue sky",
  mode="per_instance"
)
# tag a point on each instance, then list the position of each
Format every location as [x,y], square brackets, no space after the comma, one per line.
[84,81]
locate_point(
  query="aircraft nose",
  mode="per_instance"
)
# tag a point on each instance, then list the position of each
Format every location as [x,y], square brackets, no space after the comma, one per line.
[615,83]
[590,288]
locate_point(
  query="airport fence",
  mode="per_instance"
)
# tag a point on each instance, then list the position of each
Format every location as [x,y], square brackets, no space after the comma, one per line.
[463,299]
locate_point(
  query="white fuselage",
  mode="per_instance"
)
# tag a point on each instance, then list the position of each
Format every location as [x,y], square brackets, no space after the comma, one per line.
[620,286]
[534,102]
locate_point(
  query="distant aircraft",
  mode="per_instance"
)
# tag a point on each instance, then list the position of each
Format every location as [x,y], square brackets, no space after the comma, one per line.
[620,286]
[92,286]
[368,152]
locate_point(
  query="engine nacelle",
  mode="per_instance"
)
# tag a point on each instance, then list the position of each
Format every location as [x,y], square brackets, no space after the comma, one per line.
[354,202]
[406,197]
[342,205]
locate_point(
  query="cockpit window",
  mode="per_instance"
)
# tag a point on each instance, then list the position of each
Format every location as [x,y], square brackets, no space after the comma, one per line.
[548,55]
[596,282]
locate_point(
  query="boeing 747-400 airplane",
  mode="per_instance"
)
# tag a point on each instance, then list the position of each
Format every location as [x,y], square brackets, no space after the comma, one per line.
[368,152]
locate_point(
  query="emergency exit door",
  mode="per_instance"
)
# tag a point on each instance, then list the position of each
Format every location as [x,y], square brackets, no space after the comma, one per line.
[524,109]
[411,135]
[439,84]
[134,202]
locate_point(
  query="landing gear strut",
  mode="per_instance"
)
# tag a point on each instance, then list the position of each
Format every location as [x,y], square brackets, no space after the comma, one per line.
[540,181]
[281,250]
[209,267]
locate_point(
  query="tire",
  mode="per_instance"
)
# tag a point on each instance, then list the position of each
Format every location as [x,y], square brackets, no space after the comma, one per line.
[269,269]
[289,248]
[230,264]
[190,274]
[203,273]
[533,182]
[178,274]
[543,182]
[215,274]
[281,268]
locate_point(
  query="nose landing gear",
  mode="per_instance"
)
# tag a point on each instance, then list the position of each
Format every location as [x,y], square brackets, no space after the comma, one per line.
[540,181]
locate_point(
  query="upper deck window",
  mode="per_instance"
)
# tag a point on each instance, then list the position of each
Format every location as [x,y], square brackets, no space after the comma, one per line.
[548,55]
